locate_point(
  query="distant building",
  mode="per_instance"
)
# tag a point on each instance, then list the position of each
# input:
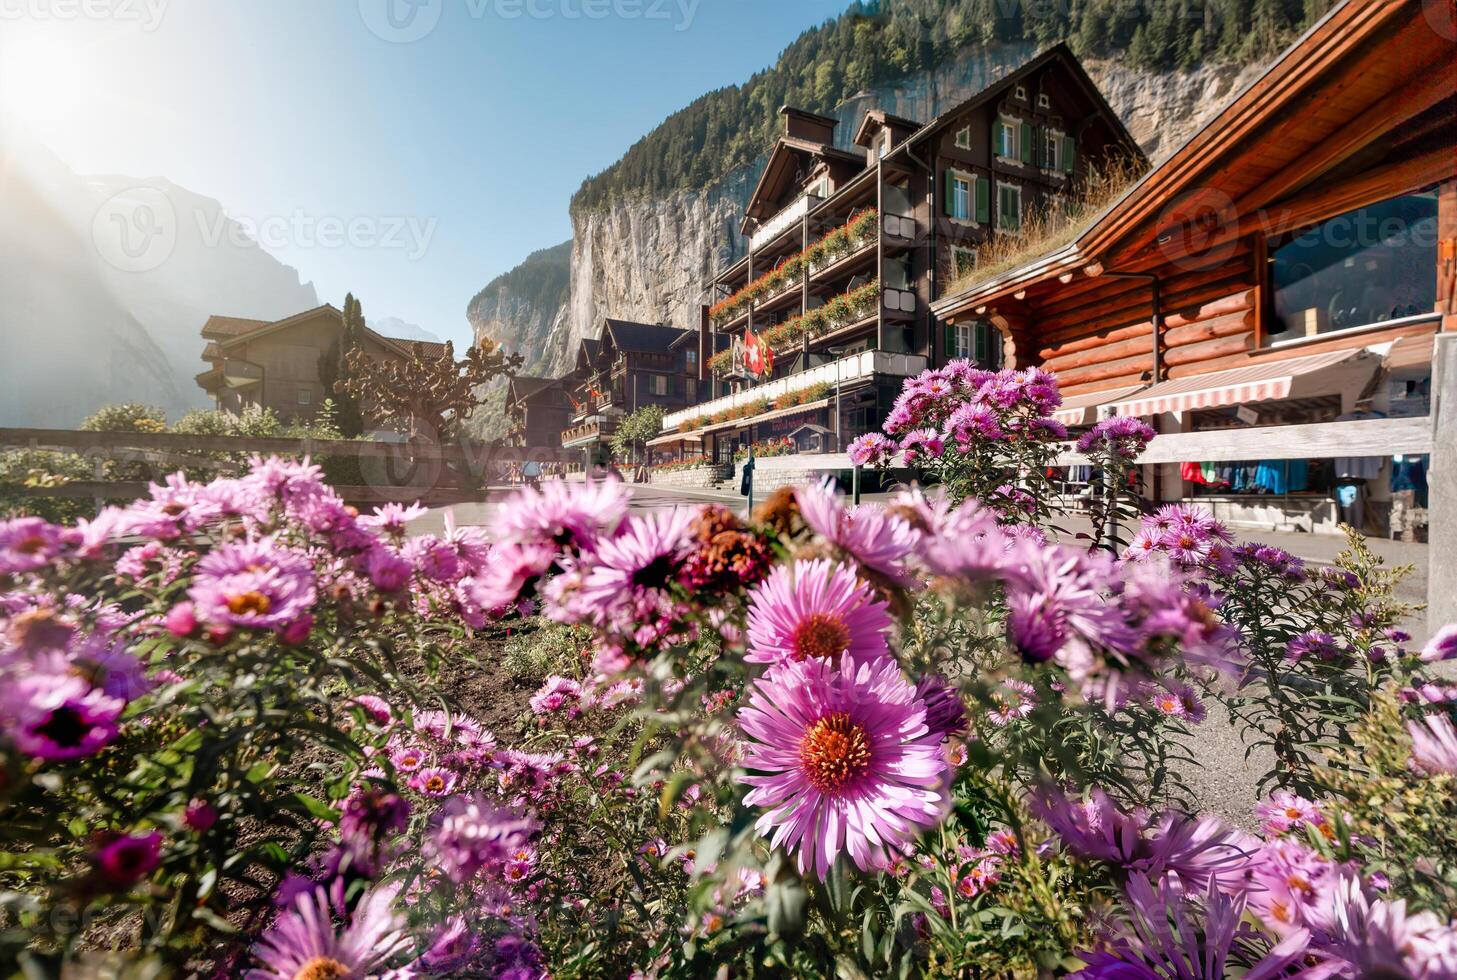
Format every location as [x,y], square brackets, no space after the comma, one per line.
[275,363]
[628,367]
[538,410]
[848,247]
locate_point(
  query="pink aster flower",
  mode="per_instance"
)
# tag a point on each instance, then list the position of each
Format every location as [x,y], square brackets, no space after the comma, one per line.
[306,942]
[879,541]
[920,443]
[871,449]
[1377,938]
[256,584]
[1012,701]
[1433,745]
[558,694]
[1315,643]
[392,518]
[58,716]
[28,543]
[632,573]
[434,781]
[569,517]
[815,609]
[1443,646]
[972,423]
[1284,811]
[843,761]
[1292,887]
[472,837]
[122,860]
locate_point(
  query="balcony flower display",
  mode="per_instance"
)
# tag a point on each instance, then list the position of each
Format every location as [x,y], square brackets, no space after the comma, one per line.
[845,240]
[840,311]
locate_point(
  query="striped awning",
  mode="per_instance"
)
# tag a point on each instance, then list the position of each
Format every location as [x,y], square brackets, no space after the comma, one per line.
[1313,374]
[1083,409]
[675,437]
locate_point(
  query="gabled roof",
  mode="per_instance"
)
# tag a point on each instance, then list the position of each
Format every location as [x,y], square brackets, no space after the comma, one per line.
[878,119]
[646,338]
[523,386]
[218,327]
[790,155]
[1234,167]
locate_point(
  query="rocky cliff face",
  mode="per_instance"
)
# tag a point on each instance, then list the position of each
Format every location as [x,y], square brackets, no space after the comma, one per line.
[519,309]
[651,260]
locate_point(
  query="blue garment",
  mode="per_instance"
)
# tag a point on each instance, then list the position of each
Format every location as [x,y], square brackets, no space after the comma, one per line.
[1346,494]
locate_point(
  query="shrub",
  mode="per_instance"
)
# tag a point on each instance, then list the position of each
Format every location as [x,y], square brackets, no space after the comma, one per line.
[127,417]
[544,648]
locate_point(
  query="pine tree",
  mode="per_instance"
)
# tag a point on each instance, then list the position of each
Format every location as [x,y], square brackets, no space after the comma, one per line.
[336,372]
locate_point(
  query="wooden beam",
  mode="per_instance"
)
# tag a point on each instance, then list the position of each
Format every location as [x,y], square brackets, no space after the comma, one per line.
[1361,437]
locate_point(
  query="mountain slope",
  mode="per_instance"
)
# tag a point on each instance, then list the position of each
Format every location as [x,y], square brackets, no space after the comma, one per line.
[518,309]
[106,282]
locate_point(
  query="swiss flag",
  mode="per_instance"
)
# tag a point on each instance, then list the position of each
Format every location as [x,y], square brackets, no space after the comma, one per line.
[753,353]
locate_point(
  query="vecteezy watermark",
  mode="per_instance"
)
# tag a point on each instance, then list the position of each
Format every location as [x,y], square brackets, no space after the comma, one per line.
[407,233]
[147,13]
[403,21]
[135,229]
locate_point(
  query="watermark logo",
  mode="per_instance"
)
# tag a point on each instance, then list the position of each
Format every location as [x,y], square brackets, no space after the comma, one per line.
[1199,230]
[1441,17]
[135,230]
[146,13]
[401,21]
[405,233]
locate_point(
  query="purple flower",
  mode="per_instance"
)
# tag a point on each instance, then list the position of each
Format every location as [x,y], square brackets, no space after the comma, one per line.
[565,517]
[511,576]
[371,815]
[631,575]
[473,836]
[842,759]
[58,716]
[28,543]
[1314,643]
[1192,850]
[1443,646]
[815,609]
[392,518]
[1284,811]
[1121,437]
[304,942]
[256,584]
[200,816]
[1433,745]
[973,423]
[1379,939]
[558,694]
[436,781]
[122,860]
[388,572]
[1291,887]
[871,449]
[452,948]
[919,443]
[877,540]
[1165,936]
[945,710]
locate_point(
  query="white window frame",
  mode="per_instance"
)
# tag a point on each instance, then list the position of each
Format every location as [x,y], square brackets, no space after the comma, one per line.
[1001,185]
[963,138]
[1053,160]
[656,382]
[1020,93]
[305,398]
[959,177]
[1043,101]
[962,340]
[957,251]
[1014,150]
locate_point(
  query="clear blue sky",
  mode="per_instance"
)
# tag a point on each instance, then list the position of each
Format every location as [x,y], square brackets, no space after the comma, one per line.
[296,110]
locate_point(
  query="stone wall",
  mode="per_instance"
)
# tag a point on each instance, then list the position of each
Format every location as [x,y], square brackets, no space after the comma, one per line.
[698,478]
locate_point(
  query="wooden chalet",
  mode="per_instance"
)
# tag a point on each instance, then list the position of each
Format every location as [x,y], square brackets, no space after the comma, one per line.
[849,245]
[275,363]
[1288,266]
[628,366]
[538,409]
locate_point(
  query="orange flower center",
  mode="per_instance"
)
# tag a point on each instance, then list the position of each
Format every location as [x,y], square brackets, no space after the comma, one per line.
[322,968]
[254,603]
[820,635]
[1292,813]
[435,784]
[834,753]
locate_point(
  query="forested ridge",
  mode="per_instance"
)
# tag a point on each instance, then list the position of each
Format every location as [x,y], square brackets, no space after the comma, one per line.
[877,41]
[539,282]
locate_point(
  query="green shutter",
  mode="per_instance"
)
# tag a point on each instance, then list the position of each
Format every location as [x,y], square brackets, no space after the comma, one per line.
[1039,146]
[1069,153]
[983,200]
[1026,138]
[950,350]
[948,202]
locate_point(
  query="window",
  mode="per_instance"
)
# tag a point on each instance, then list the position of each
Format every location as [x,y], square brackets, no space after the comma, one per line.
[963,260]
[1009,207]
[1043,102]
[305,397]
[962,345]
[658,384]
[963,138]
[821,187]
[1371,265]
[690,389]
[959,203]
[978,341]
[690,361]
[1052,149]
[1021,93]
[1007,140]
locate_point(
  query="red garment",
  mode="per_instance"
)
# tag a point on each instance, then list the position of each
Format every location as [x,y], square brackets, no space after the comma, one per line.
[1193,473]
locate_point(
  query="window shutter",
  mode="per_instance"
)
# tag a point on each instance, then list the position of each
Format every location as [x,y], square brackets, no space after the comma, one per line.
[948,199]
[983,204]
[1039,146]
[1026,138]
[950,341]
[1069,153]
